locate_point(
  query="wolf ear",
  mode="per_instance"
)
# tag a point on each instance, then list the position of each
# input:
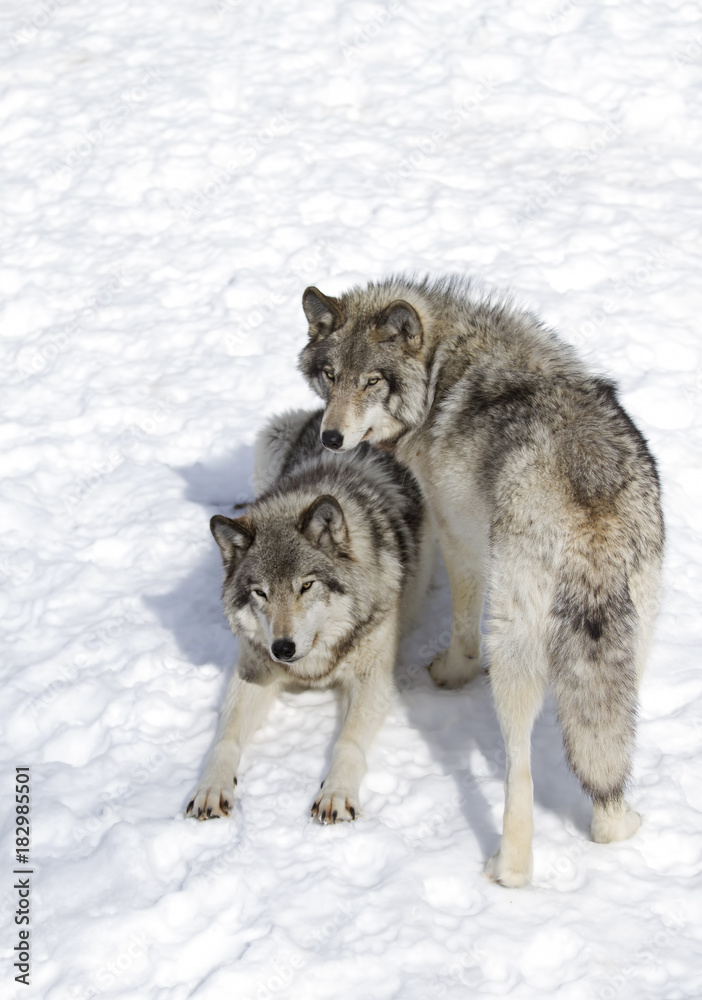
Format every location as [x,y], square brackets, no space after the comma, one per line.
[233,537]
[323,313]
[400,321]
[323,523]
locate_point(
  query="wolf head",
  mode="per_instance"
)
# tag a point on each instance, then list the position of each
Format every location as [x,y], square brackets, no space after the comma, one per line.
[283,587]
[366,359]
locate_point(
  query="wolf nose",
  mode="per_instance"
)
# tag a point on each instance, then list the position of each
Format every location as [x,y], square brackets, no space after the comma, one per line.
[332,439]
[283,649]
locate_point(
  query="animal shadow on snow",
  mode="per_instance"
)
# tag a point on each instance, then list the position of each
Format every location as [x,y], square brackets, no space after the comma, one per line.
[192,610]
[456,725]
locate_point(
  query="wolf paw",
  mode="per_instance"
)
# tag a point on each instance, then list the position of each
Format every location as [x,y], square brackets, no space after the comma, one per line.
[452,669]
[510,875]
[211,800]
[333,805]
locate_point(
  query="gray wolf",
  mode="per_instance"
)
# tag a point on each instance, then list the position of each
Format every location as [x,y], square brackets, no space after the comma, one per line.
[544,492]
[322,573]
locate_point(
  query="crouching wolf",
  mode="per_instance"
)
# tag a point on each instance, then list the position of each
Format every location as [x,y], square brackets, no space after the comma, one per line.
[322,573]
[543,490]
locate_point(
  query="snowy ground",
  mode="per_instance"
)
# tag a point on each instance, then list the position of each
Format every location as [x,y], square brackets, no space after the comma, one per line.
[173,176]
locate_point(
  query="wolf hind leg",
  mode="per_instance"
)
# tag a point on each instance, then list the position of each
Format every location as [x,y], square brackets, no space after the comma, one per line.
[595,671]
[518,677]
[518,701]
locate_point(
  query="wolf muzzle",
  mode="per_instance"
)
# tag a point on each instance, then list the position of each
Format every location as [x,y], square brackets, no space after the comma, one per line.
[283,650]
[332,440]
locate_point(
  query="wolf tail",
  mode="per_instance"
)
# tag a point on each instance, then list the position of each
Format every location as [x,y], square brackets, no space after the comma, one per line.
[594,649]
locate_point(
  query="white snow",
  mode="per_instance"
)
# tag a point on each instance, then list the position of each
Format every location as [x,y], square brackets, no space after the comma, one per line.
[173,176]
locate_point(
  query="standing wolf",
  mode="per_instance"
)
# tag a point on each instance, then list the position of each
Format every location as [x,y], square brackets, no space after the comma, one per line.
[543,490]
[321,574]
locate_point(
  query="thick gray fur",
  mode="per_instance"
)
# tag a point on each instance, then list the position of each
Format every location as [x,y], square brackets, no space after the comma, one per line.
[544,492]
[322,573]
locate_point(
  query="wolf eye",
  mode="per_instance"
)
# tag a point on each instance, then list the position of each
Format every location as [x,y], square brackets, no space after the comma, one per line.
[260,593]
[329,374]
[306,586]
[372,381]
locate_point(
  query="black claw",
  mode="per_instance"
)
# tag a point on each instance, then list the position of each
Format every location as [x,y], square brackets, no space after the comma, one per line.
[225,804]
[235,782]
[353,812]
[209,810]
[199,813]
[190,805]
[324,814]
[334,815]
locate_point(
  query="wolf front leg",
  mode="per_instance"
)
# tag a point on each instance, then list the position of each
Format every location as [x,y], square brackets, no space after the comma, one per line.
[251,692]
[455,666]
[369,694]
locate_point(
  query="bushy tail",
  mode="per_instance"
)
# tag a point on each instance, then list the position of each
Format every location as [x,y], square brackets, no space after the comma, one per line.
[593,653]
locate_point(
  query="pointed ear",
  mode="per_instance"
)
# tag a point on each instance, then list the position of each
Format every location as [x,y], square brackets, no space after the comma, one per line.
[323,313]
[323,523]
[233,537]
[400,321]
